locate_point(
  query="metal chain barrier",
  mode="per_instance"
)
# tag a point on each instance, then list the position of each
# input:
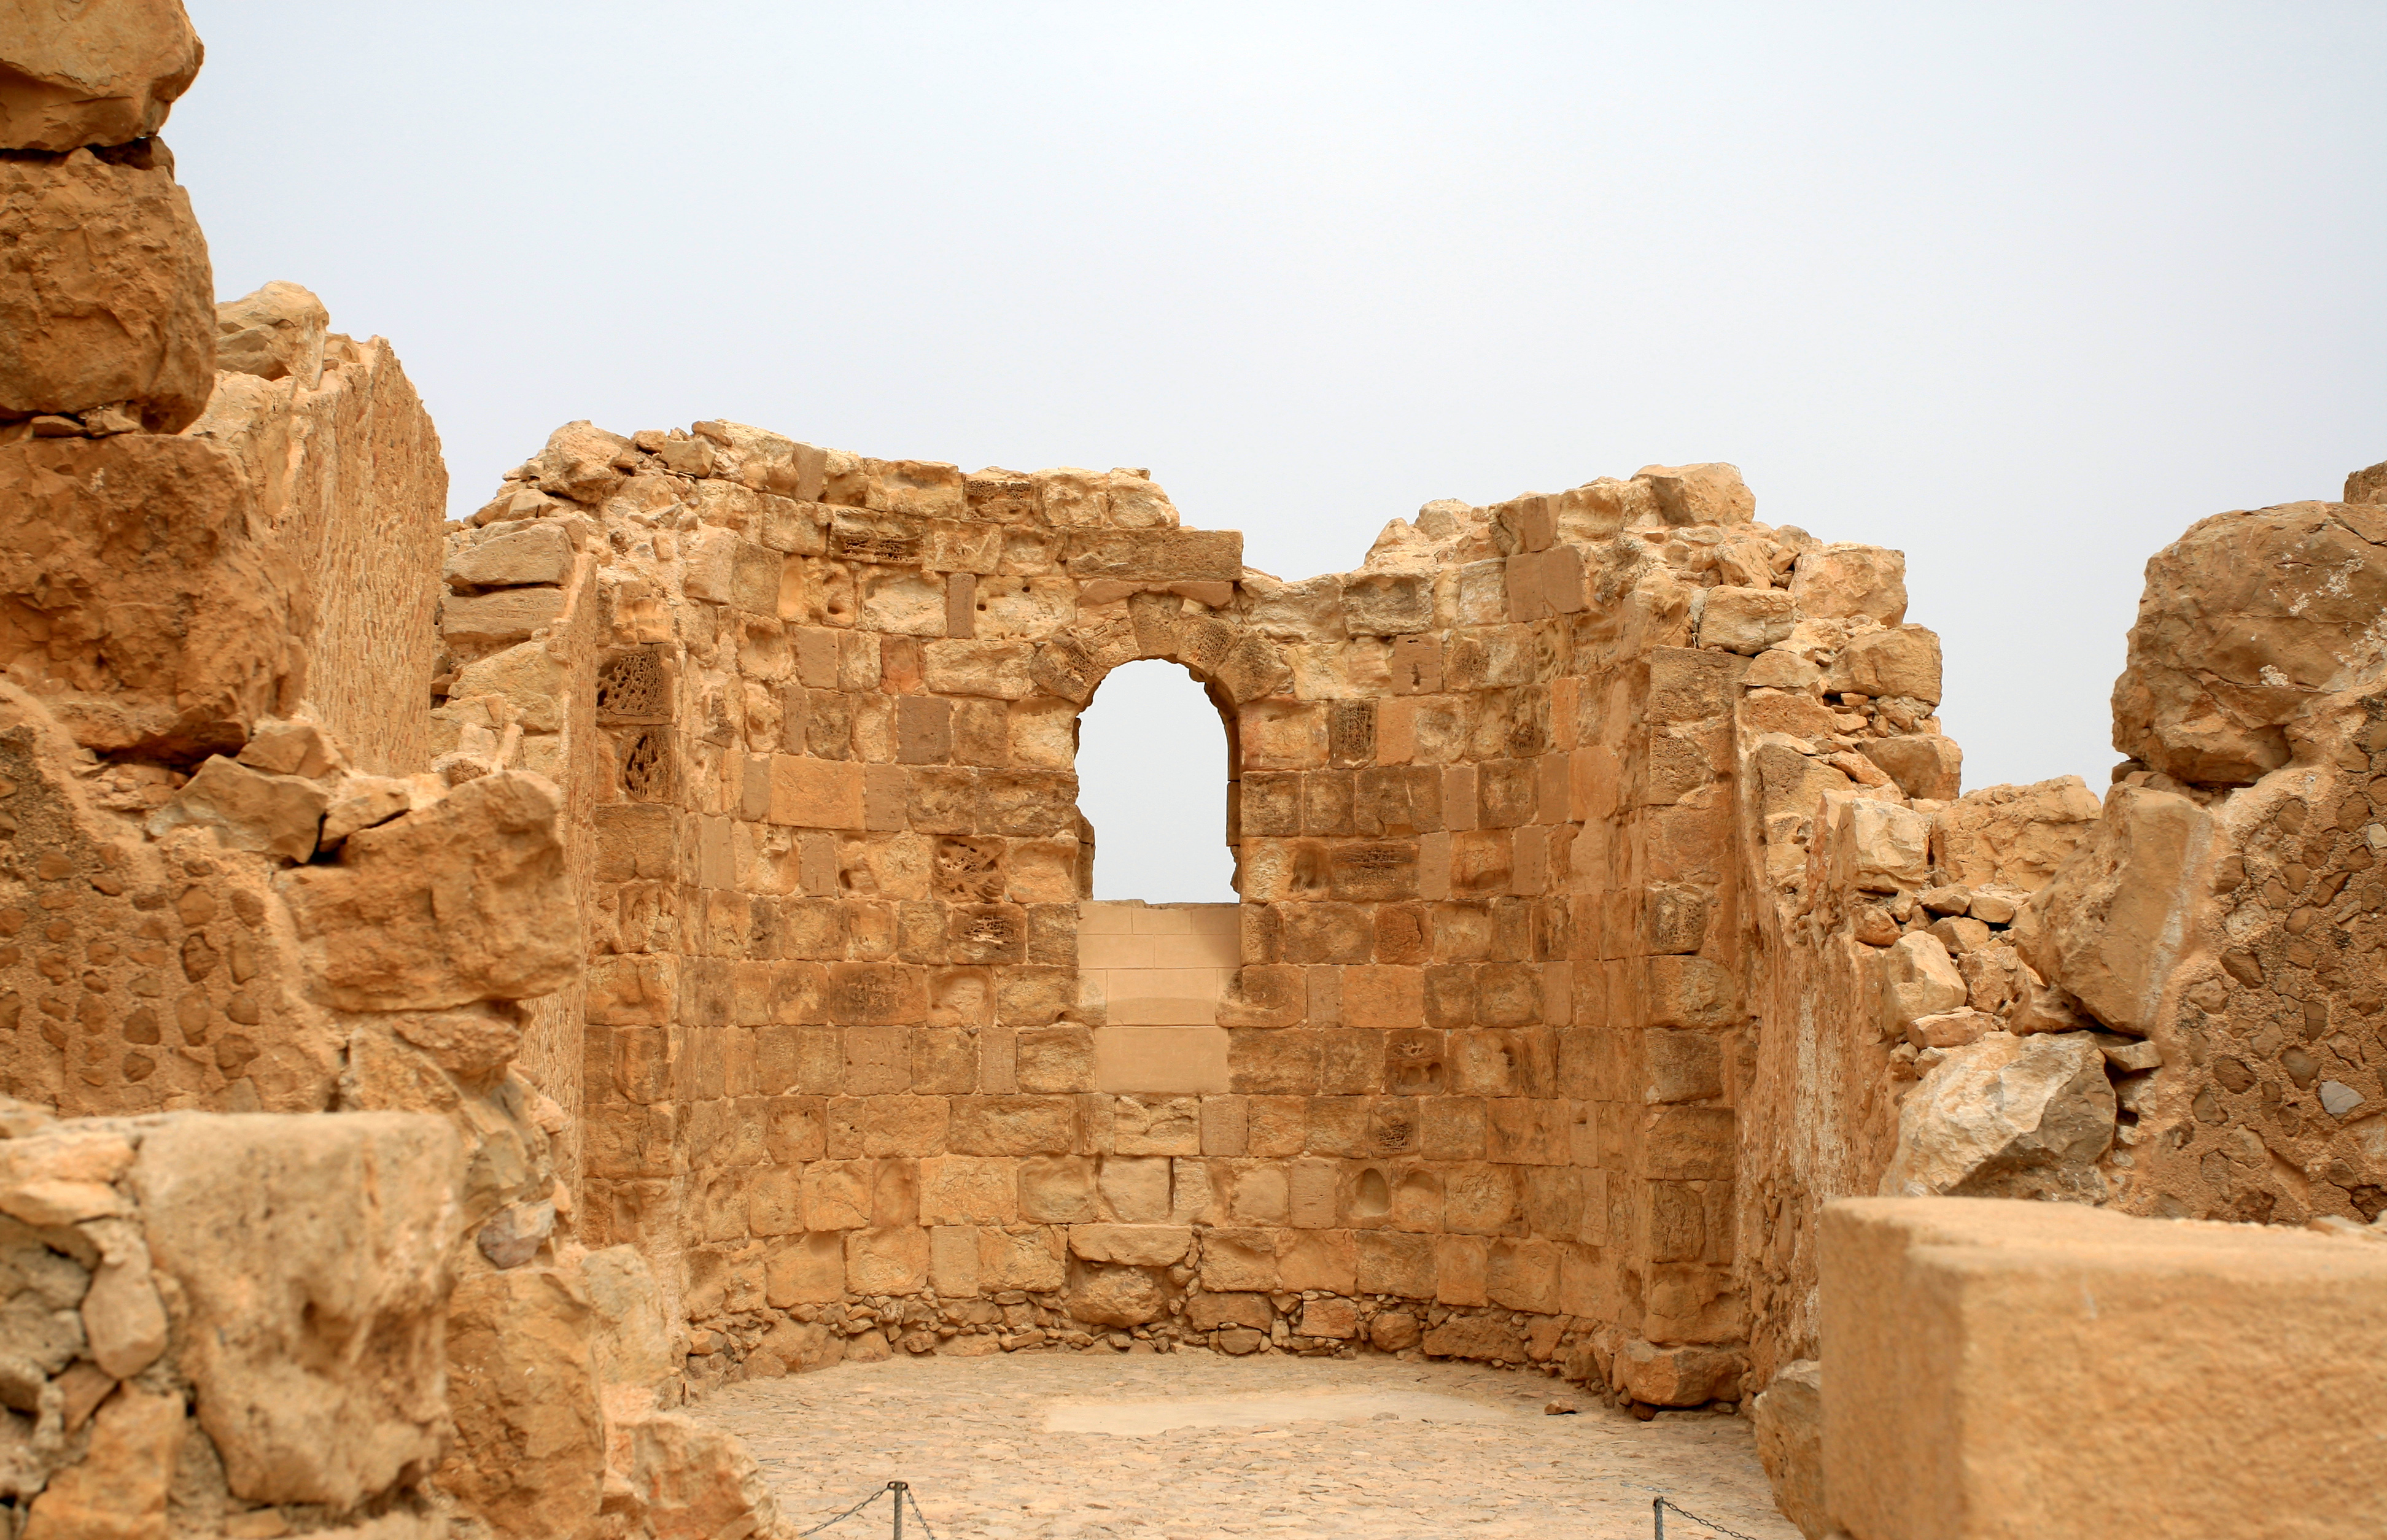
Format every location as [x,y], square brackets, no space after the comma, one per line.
[903,1493]
[1657,1507]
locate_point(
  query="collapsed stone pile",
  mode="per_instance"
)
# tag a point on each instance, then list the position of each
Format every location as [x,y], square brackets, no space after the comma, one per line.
[664,896]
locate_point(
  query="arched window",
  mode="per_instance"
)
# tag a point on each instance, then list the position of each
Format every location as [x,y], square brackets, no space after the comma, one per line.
[1152,780]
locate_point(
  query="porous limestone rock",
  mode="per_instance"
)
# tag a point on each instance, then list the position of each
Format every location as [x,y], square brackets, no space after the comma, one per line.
[1712,493]
[77,73]
[689,1481]
[1918,979]
[107,299]
[2247,621]
[2007,1117]
[309,1261]
[119,1489]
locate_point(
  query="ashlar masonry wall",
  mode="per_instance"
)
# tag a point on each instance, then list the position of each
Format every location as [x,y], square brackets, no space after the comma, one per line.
[1473,1084]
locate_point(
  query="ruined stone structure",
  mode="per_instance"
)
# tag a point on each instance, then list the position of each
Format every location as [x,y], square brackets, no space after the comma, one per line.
[664,893]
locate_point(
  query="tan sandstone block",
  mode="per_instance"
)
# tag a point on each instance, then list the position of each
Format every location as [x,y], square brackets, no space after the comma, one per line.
[815,793]
[2002,1369]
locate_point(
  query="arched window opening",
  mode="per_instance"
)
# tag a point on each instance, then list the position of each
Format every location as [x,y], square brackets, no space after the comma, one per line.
[1151,781]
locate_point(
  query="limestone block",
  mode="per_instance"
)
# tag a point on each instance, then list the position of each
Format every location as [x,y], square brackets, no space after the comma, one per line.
[2013,836]
[1918,978]
[101,73]
[107,299]
[1137,1245]
[308,1259]
[465,900]
[1486,1339]
[996,669]
[535,683]
[1791,780]
[2246,620]
[2115,920]
[1677,1376]
[1705,494]
[1158,555]
[529,1455]
[578,462]
[1924,764]
[149,619]
[2007,1117]
[689,1482]
[1842,581]
[1867,845]
[274,333]
[534,554]
[1788,1419]
[249,810]
[119,1489]
[1745,620]
[1116,1295]
[1902,660]
[2009,1368]
[1388,604]
[498,617]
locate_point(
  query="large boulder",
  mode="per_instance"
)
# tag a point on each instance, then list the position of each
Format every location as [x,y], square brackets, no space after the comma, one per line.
[465,900]
[77,73]
[2246,620]
[105,295]
[2007,1118]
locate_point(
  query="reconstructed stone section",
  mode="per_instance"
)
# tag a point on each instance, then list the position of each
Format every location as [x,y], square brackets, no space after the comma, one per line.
[2003,1369]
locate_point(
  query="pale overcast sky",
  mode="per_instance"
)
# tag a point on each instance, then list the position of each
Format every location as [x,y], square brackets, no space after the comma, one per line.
[2020,289]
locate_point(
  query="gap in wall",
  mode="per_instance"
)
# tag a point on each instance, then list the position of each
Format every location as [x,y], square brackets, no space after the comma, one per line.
[1152,780]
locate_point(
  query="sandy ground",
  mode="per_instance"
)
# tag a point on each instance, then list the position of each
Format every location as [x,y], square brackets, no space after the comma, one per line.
[1189,1445]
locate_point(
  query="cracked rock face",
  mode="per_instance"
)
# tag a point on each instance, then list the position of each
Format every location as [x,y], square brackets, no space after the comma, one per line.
[2007,1118]
[2247,620]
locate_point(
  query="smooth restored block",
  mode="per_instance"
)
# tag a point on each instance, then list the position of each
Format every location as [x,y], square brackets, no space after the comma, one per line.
[1996,1369]
[1182,1060]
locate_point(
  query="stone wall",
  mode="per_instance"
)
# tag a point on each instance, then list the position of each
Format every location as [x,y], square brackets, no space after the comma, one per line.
[1490,1017]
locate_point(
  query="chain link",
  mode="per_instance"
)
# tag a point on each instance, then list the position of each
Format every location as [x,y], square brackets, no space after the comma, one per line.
[1668,1502]
[847,1514]
[917,1514]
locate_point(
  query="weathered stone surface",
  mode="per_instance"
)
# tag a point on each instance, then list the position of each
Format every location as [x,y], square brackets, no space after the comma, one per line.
[117,1492]
[248,810]
[1788,1417]
[534,554]
[1678,1376]
[529,1456]
[1918,979]
[2013,836]
[693,1482]
[138,608]
[2110,927]
[2007,1117]
[1903,661]
[2008,1369]
[1844,581]
[2248,620]
[102,72]
[274,333]
[1745,620]
[106,298]
[1705,494]
[463,900]
[308,1259]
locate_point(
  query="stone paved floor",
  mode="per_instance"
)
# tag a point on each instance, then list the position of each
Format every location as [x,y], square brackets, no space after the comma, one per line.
[972,1435]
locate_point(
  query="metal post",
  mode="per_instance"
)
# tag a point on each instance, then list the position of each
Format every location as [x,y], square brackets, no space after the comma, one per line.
[898,1488]
[1657,1516]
